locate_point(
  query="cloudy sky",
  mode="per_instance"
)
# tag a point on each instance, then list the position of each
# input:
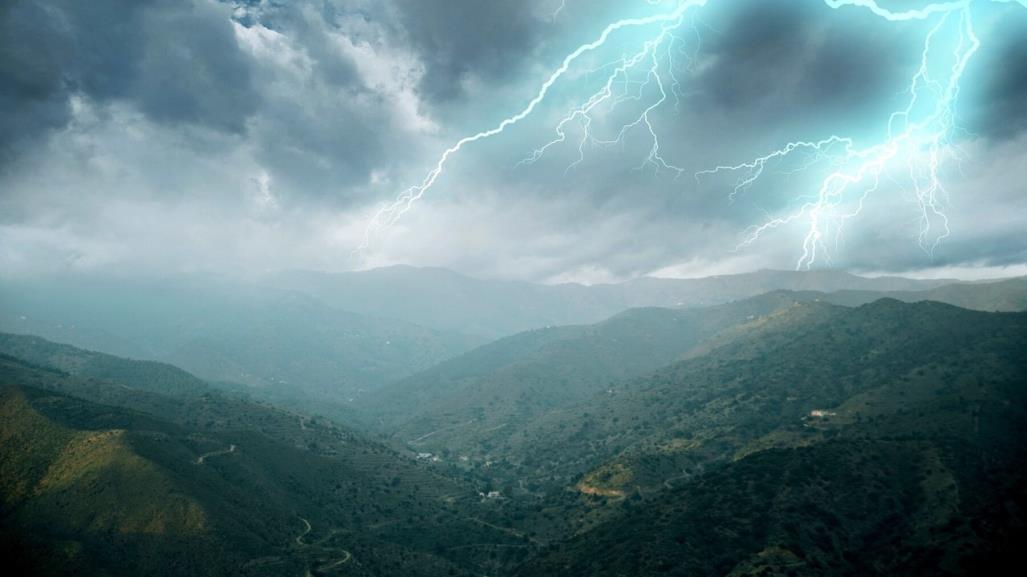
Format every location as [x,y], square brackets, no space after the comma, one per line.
[196,135]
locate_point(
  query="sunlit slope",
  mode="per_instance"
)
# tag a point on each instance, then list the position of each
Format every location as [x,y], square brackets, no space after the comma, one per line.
[86,497]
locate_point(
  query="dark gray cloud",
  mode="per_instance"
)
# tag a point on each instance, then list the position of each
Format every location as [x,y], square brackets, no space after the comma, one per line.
[457,38]
[785,54]
[31,81]
[322,131]
[320,150]
[1000,99]
[178,61]
[190,67]
[310,26]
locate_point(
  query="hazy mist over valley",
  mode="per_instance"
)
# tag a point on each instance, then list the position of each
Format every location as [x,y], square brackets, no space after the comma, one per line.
[543,288]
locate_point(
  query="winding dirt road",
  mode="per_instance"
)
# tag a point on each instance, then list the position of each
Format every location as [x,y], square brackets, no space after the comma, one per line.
[319,547]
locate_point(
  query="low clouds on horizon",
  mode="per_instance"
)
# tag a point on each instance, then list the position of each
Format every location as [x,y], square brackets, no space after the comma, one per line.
[196,135]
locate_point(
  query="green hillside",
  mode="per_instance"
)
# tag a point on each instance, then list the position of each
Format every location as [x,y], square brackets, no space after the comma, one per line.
[105,490]
[475,403]
[155,377]
[569,406]
[812,356]
[81,497]
[719,465]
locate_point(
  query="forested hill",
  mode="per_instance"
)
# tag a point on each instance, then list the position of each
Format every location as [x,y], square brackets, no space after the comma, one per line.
[888,439]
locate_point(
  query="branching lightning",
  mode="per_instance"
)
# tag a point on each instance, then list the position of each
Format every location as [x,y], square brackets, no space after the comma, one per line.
[559,8]
[918,137]
[618,88]
[390,213]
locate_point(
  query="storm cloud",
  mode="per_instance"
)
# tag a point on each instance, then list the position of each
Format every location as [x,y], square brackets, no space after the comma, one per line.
[199,135]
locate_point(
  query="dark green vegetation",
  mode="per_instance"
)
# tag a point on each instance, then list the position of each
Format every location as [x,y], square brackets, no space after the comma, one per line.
[481,403]
[196,483]
[782,434]
[917,466]
[795,437]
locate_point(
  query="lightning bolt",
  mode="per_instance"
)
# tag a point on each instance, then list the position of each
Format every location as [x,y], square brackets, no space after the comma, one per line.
[918,136]
[390,213]
[618,88]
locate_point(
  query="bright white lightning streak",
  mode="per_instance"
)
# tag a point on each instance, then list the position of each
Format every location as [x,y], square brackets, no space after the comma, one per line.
[389,214]
[922,144]
[753,170]
[606,94]
[893,16]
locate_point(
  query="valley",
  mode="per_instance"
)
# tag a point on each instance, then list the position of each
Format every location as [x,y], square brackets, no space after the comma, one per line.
[785,433]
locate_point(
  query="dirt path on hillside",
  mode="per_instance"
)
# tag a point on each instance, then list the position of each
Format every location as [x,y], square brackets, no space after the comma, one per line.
[199,460]
[336,556]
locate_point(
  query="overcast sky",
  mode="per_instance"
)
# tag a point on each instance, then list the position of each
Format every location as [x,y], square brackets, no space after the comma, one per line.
[193,135]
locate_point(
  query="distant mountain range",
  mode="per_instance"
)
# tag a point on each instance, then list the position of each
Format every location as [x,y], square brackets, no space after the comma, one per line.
[485,402]
[482,400]
[1000,296]
[284,345]
[320,342]
[445,300]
